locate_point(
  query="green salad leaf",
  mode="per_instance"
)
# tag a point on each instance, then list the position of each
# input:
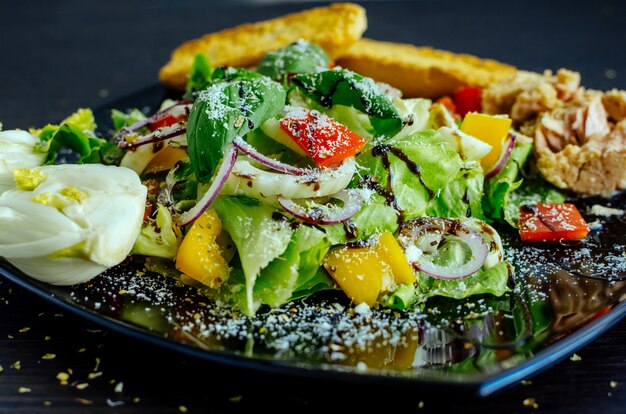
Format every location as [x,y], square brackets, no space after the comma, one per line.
[300,261]
[158,237]
[123,119]
[199,75]
[298,57]
[499,188]
[420,165]
[494,280]
[533,190]
[224,111]
[462,196]
[343,87]
[258,236]
[77,133]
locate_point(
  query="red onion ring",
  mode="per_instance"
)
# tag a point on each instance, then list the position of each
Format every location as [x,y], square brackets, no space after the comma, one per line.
[228,162]
[251,152]
[412,231]
[156,136]
[504,157]
[352,202]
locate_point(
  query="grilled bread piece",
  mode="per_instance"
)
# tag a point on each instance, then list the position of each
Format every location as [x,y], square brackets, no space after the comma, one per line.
[421,71]
[334,28]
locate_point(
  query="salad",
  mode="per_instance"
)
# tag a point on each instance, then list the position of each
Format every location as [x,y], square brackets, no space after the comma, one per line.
[264,186]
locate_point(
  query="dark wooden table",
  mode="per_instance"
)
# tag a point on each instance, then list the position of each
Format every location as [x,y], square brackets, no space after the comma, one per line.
[58,56]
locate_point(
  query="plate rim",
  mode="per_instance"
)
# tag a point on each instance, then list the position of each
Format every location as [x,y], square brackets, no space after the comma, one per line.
[482,384]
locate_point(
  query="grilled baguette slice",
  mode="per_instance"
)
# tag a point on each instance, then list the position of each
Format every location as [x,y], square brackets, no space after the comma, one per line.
[421,71]
[334,28]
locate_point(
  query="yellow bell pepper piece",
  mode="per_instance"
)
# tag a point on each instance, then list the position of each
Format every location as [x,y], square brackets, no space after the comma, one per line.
[490,129]
[165,159]
[358,271]
[390,251]
[199,255]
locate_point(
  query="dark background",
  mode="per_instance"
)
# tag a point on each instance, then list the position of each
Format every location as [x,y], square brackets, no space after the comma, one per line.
[58,56]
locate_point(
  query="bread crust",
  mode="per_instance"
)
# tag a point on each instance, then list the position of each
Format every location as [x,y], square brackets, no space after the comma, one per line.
[335,28]
[421,71]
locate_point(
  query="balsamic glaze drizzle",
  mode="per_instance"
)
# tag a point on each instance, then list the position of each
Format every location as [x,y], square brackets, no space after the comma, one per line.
[532,208]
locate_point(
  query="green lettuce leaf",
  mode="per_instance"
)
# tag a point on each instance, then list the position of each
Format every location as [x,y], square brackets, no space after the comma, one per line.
[123,119]
[493,281]
[318,282]
[258,236]
[531,191]
[462,197]
[158,237]
[438,162]
[499,188]
[301,261]
[374,217]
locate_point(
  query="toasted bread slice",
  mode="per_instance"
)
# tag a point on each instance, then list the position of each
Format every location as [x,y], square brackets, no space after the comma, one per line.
[421,71]
[334,28]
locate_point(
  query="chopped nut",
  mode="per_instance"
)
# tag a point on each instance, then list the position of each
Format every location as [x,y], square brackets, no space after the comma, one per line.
[47,338]
[17,365]
[93,375]
[23,390]
[82,386]
[613,384]
[48,356]
[84,401]
[575,358]
[25,329]
[526,382]
[182,409]
[119,387]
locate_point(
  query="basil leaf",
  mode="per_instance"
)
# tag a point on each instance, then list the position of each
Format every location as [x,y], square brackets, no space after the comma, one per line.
[343,87]
[298,57]
[229,74]
[200,74]
[224,111]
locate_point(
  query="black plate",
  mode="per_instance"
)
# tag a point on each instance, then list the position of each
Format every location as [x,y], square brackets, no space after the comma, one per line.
[564,297]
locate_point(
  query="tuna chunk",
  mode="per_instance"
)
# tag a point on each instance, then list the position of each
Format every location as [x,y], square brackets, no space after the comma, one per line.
[595,164]
[527,94]
[615,103]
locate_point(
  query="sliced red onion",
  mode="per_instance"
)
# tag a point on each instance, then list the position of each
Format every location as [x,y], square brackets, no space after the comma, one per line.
[324,214]
[251,152]
[228,162]
[156,136]
[153,117]
[413,231]
[504,157]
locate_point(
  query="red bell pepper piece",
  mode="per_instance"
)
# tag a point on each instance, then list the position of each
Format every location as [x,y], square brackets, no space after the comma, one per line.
[467,99]
[548,222]
[325,140]
[163,121]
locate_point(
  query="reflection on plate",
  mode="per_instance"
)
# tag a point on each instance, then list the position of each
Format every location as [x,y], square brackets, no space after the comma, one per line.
[564,296]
